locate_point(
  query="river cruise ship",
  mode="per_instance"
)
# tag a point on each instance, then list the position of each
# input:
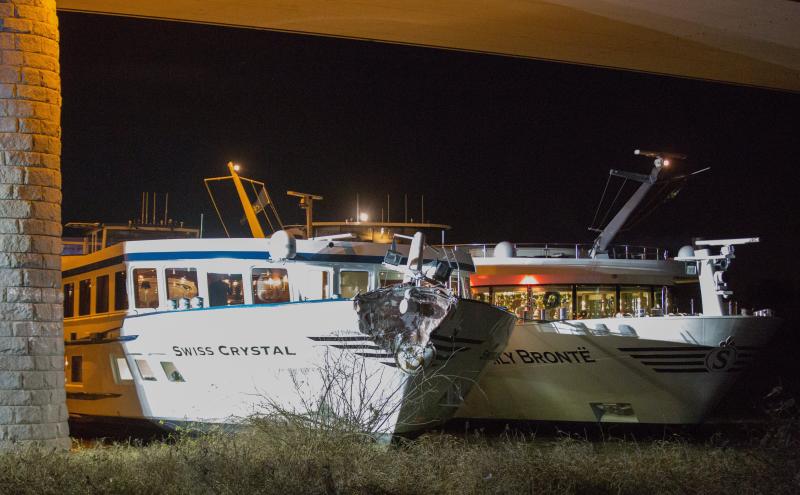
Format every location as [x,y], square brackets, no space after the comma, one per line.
[195,331]
[614,333]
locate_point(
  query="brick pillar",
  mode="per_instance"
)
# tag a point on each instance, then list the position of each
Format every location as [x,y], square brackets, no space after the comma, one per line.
[32,399]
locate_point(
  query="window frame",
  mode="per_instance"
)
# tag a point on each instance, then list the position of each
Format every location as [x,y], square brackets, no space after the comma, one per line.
[353,270]
[71,298]
[158,290]
[257,300]
[85,285]
[98,293]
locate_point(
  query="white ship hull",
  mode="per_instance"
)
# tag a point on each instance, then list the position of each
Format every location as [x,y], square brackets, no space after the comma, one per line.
[662,370]
[233,362]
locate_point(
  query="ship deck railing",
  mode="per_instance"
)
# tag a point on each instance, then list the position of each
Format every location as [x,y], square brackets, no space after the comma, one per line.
[566,250]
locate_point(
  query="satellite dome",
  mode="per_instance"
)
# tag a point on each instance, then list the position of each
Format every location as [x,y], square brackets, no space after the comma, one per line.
[686,252]
[282,246]
[504,250]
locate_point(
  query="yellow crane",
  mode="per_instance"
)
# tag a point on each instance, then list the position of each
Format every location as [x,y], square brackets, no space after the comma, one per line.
[251,210]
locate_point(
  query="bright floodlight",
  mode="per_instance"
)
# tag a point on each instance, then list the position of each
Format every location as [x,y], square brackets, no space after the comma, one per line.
[236,167]
[363,216]
[666,163]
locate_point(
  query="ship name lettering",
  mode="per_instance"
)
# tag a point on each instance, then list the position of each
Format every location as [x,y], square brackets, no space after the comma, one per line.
[233,350]
[255,350]
[579,356]
[508,355]
[192,351]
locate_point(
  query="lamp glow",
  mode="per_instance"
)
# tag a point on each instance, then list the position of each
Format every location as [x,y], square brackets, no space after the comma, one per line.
[236,167]
[363,216]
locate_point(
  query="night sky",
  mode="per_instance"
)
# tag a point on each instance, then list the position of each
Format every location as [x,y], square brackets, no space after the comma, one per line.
[501,148]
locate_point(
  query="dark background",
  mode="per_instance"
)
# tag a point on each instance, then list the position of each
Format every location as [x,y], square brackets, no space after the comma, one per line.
[501,148]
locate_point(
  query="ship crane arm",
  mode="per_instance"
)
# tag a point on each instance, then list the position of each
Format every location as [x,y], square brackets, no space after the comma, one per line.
[607,235]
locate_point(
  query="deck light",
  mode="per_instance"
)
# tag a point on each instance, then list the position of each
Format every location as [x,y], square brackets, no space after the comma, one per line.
[236,167]
[363,216]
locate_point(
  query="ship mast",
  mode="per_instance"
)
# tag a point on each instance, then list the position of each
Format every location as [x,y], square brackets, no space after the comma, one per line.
[662,160]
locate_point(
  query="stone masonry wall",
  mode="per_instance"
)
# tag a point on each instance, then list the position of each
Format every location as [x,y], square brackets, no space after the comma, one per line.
[32,398]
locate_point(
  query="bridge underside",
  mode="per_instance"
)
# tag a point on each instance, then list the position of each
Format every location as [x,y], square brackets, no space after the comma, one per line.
[749,42]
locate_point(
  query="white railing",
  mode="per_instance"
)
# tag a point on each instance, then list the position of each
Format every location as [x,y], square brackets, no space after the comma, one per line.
[563,250]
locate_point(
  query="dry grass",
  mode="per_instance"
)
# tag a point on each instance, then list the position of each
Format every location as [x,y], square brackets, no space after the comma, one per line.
[276,458]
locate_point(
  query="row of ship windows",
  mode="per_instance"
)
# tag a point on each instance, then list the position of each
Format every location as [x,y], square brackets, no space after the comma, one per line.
[554,302]
[268,285]
[121,370]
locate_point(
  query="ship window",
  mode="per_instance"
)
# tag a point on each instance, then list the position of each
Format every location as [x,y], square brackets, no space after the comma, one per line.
[514,299]
[389,278]
[145,370]
[146,287]
[596,301]
[101,295]
[69,300]
[76,369]
[351,283]
[551,302]
[635,300]
[121,370]
[172,372]
[270,285]
[120,291]
[84,297]
[483,294]
[181,282]
[225,289]
[326,286]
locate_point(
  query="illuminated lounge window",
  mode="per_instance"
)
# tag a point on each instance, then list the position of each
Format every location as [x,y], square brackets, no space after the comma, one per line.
[181,283]
[120,291]
[146,288]
[514,299]
[483,294]
[551,302]
[225,289]
[270,285]
[84,297]
[596,301]
[635,300]
[69,300]
[352,283]
[101,295]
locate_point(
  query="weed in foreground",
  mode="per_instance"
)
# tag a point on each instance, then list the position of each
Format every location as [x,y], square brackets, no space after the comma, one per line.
[273,457]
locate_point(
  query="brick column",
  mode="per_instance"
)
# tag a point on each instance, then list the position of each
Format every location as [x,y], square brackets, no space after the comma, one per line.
[32,398]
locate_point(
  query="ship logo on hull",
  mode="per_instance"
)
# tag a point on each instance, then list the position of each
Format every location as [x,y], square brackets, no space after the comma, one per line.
[726,357]
[723,357]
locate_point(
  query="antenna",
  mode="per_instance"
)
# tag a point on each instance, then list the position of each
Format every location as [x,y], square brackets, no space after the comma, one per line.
[307,203]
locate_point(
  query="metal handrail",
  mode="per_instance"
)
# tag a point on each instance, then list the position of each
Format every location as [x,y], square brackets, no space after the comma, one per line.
[566,250]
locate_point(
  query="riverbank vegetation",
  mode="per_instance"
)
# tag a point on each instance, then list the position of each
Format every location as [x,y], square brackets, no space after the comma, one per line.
[279,457]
